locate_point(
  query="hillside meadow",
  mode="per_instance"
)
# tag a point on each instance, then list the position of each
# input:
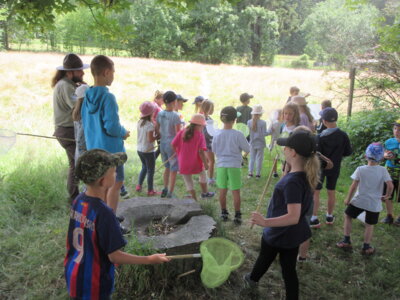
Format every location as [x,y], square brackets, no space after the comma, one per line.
[33,199]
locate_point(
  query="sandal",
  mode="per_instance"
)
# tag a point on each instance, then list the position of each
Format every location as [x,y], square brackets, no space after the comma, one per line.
[344,245]
[368,251]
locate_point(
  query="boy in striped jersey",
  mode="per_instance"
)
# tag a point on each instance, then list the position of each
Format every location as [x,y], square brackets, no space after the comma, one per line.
[94,236]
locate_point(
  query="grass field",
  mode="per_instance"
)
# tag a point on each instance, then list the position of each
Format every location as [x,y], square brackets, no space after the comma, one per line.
[33,200]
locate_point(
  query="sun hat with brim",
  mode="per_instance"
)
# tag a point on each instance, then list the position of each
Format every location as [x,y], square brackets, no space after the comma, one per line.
[198,119]
[303,142]
[198,99]
[257,110]
[147,108]
[72,63]
[375,152]
[94,163]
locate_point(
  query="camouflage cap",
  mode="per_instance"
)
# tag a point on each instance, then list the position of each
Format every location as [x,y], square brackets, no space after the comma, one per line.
[94,163]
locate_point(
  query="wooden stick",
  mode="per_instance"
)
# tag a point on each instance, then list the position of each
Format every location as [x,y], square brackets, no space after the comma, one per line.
[186,273]
[183,256]
[46,137]
[163,164]
[266,186]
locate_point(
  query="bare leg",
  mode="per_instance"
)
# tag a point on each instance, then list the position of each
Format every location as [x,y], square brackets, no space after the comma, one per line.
[193,194]
[303,249]
[347,225]
[211,163]
[369,230]
[389,207]
[113,195]
[316,202]
[204,188]
[166,177]
[222,198]
[172,181]
[331,201]
[236,199]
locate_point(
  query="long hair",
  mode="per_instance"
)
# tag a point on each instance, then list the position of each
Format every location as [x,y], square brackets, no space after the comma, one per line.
[76,112]
[254,120]
[312,169]
[207,107]
[57,76]
[144,119]
[306,110]
[189,132]
[295,108]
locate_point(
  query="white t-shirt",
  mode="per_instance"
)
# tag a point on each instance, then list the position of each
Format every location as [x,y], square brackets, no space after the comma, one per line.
[370,187]
[228,145]
[143,144]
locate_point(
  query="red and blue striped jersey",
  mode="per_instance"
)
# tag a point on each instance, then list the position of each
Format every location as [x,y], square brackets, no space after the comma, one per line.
[93,233]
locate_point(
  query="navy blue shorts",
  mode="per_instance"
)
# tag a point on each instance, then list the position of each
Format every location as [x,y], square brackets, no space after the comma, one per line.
[331,181]
[371,218]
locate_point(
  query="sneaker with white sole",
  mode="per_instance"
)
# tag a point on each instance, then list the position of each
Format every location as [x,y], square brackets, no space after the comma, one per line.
[315,223]
[329,220]
[224,215]
[207,195]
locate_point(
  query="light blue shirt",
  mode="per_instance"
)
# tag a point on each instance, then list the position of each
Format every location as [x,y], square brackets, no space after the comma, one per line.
[168,121]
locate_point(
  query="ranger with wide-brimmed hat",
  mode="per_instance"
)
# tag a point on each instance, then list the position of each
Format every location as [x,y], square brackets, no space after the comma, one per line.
[65,81]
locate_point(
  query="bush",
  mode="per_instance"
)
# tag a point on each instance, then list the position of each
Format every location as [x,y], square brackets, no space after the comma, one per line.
[302,62]
[366,127]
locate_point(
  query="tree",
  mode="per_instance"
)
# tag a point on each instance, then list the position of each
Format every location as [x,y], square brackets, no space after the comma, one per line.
[337,31]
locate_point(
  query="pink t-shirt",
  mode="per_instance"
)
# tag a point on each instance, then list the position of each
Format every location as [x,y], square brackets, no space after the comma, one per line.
[188,152]
[155,113]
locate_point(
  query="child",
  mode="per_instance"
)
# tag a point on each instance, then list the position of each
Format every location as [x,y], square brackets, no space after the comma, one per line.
[286,226]
[244,109]
[158,99]
[228,146]
[197,103]
[392,151]
[291,118]
[258,131]
[367,185]
[334,144]
[295,91]
[324,104]
[77,118]
[101,121]
[168,125]
[207,109]
[145,147]
[306,118]
[190,146]
[94,237]
[275,130]
[180,100]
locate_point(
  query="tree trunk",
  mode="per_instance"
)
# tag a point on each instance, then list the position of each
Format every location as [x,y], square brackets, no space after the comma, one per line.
[4,37]
[256,45]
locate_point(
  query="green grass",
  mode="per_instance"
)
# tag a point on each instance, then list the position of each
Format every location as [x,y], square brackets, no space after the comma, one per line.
[33,198]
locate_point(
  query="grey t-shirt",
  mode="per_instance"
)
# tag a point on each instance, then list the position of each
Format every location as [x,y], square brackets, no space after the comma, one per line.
[168,121]
[370,187]
[228,145]
[64,99]
[257,138]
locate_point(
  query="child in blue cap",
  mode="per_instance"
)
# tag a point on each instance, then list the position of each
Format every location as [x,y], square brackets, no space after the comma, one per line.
[368,181]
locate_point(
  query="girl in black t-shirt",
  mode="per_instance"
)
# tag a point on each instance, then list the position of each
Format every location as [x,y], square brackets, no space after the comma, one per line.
[286,226]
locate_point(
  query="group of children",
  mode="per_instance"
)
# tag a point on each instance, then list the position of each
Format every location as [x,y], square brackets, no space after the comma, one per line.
[95,238]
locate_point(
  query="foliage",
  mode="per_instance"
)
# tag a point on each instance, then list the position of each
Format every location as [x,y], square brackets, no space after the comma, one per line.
[366,127]
[338,31]
[302,62]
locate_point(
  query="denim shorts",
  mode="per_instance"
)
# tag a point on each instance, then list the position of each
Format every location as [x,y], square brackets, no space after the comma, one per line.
[167,153]
[120,174]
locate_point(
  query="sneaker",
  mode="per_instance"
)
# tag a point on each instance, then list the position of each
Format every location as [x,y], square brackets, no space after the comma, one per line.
[250,176]
[124,230]
[343,245]
[368,251]
[153,193]
[164,192]
[248,283]
[124,195]
[397,222]
[238,218]
[301,259]
[120,218]
[224,215]
[207,195]
[170,195]
[315,223]
[275,175]
[330,220]
[258,176]
[388,220]
[138,188]
[211,181]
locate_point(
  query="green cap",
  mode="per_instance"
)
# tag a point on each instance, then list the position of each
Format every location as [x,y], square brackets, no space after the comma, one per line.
[94,163]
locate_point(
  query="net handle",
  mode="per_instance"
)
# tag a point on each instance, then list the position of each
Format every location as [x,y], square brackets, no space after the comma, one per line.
[46,137]
[266,186]
[184,256]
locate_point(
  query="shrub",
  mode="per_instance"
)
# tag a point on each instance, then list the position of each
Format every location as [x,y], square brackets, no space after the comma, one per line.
[366,127]
[302,62]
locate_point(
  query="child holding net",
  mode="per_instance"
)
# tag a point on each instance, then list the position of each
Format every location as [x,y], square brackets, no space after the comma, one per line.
[189,145]
[285,225]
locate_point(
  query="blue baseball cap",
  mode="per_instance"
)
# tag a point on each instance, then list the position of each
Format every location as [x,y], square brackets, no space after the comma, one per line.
[198,99]
[374,152]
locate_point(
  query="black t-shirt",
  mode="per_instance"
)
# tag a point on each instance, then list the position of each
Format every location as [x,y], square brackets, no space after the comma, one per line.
[291,189]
